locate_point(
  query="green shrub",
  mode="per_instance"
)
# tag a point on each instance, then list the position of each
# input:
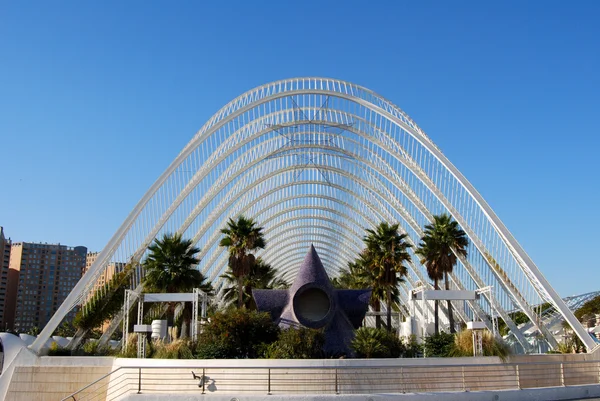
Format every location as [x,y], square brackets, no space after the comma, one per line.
[412,348]
[33,331]
[301,343]
[393,343]
[92,348]
[438,345]
[211,350]
[239,333]
[56,350]
[66,329]
[369,343]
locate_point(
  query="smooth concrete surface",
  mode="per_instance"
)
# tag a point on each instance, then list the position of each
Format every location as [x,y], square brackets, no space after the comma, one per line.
[11,345]
[17,355]
[539,394]
[51,378]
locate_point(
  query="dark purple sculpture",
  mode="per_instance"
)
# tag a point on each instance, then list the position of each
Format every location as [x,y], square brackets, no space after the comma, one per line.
[313,302]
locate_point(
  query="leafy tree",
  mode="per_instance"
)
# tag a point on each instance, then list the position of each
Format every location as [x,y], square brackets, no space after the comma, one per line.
[33,331]
[237,333]
[171,267]
[261,276]
[439,345]
[385,254]
[442,241]
[590,307]
[518,318]
[66,329]
[242,236]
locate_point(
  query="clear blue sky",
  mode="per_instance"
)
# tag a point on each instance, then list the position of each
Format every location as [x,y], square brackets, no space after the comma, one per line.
[97,98]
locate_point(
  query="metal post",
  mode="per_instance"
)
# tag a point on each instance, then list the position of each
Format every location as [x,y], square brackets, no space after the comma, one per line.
[203,379]
[140,317]
[139,381]
[402,386]
[562,374]
[269,382]
[425,314]
[337,390]
[126,320]
[194,325]
[518,377]
[463,379]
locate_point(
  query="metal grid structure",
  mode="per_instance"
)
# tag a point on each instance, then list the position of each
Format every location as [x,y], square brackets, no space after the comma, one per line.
[317,161]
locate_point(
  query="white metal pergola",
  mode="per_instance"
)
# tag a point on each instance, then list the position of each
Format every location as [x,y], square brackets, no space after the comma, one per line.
[198,298]
[318,160]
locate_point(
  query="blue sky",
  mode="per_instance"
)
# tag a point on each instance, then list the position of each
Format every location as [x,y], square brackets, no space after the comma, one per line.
[97,98]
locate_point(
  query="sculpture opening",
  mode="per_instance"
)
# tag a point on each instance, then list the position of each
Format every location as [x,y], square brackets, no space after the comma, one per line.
[312,305]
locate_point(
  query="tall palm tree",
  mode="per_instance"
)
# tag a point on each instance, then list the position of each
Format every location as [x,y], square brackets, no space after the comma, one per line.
[443,241]
[386,252]
[171,267]
[427,252]
[261,276]
[361,274]
[242,236]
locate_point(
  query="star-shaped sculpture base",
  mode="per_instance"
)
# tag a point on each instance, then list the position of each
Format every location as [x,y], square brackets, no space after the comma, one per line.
[313,302]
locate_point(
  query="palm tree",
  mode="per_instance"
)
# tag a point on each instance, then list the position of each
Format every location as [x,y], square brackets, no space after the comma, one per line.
[360,274]
[242,237]
[351,278]
[427,251]
[261,276]
[443,241]
[171,267]
[386,252]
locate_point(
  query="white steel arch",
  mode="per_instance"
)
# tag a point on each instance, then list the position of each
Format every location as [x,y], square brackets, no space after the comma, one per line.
[332,155]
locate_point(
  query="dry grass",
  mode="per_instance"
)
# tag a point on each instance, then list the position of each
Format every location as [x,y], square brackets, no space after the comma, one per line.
[178,349]
[492,346]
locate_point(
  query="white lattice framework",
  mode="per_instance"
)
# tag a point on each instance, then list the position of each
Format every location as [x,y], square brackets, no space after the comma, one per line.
[317,160]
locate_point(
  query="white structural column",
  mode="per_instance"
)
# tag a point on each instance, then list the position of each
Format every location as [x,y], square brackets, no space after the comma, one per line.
[318,160]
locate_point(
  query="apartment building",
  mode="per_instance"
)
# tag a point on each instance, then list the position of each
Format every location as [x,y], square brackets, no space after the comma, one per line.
[107,274]
[7,281]
[46,275]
